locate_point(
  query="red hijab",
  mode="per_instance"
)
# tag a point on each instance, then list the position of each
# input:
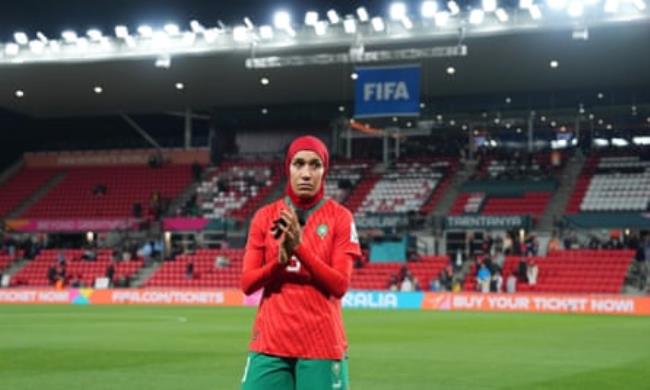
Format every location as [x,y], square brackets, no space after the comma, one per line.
[317,146]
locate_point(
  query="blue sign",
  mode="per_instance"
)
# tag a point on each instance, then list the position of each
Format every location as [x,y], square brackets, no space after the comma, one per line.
[387,91]
[383,300]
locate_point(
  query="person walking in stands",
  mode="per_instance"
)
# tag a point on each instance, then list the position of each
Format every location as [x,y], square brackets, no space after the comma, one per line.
[300,251]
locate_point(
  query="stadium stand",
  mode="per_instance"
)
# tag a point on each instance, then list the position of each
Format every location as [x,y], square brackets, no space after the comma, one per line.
[344,176]
[21,186]
[76,196]
[571,271]
[237,189]
[376,276]
[34,274]
[407,187]
[206,273]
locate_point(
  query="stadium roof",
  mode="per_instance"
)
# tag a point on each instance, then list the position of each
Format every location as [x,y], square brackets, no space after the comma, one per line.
[514,56]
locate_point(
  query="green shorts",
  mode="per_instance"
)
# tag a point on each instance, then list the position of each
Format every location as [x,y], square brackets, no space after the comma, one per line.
[267,372]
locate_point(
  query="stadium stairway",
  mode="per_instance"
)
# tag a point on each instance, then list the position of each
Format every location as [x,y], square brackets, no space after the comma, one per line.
[37,195]
[447,200]
[15,267]
[10,171]
[560,199]
[145,273]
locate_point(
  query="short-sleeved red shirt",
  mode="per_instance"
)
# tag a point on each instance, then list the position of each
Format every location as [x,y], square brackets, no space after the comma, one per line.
[298,315]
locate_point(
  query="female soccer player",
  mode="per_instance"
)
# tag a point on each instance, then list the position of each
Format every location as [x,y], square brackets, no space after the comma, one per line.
[300,250]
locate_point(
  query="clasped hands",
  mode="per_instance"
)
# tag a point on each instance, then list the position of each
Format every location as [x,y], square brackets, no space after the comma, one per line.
[286,229]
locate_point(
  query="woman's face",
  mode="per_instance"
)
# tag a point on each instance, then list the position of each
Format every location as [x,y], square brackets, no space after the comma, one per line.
[306,173]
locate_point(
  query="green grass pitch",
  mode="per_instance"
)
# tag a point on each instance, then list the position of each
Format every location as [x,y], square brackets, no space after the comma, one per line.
[173,347]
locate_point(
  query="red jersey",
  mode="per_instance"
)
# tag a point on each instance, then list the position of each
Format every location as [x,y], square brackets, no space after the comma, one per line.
[300,312]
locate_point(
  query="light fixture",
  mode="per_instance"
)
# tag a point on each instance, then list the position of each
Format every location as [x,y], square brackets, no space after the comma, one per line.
[464,127]
[354,76]
[341,108]
[266,32]
[172,29]
[453,7]
[378,24]
[542,118]
[554,64]
[395,119]
[282,20]
[553,123]
[69,36]
[196,27]
[333,16]
[179,86]
[397,11]
[98,89]
[264,81]
[600,95]
[439,117]
[535,12]
[489,5]
[422,105]
[525,4]
[575,9]
[519,130]
[21,38]
[362,13]
[442,18]
[121,32]
[19,93]
[265,111]
[451,70]
[556,4]
[452,123]
[429,9]
[163,61]
[41,37]
[476,16]
[320,28]
[94,35]
[36,46]
[12,49]
[409,124]
[508,100]
[311,17]
[240,34]
[350,26]
[611,6]
[502,15]
[145,31]
[407,23]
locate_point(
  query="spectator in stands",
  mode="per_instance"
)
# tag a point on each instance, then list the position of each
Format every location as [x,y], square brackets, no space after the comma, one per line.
[89,254]
[496,282]
[522,271]
[110,273]
[408,284]
[554,244]
[507,244]
[532,272]
[221,261]
[10,245]
[189,270]
[434,285]
[445,278]
[197,171]
[100,190]
[458,263]
[511,284]
[51,275]
[393,283]
[531,246]
[76,282]
[155,205]
[483,278]
[60,257]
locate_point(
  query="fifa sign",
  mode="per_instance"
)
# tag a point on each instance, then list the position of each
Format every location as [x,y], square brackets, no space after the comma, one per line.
[387,91]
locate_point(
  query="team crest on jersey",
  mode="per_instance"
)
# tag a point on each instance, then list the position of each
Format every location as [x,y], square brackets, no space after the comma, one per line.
[322,230]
